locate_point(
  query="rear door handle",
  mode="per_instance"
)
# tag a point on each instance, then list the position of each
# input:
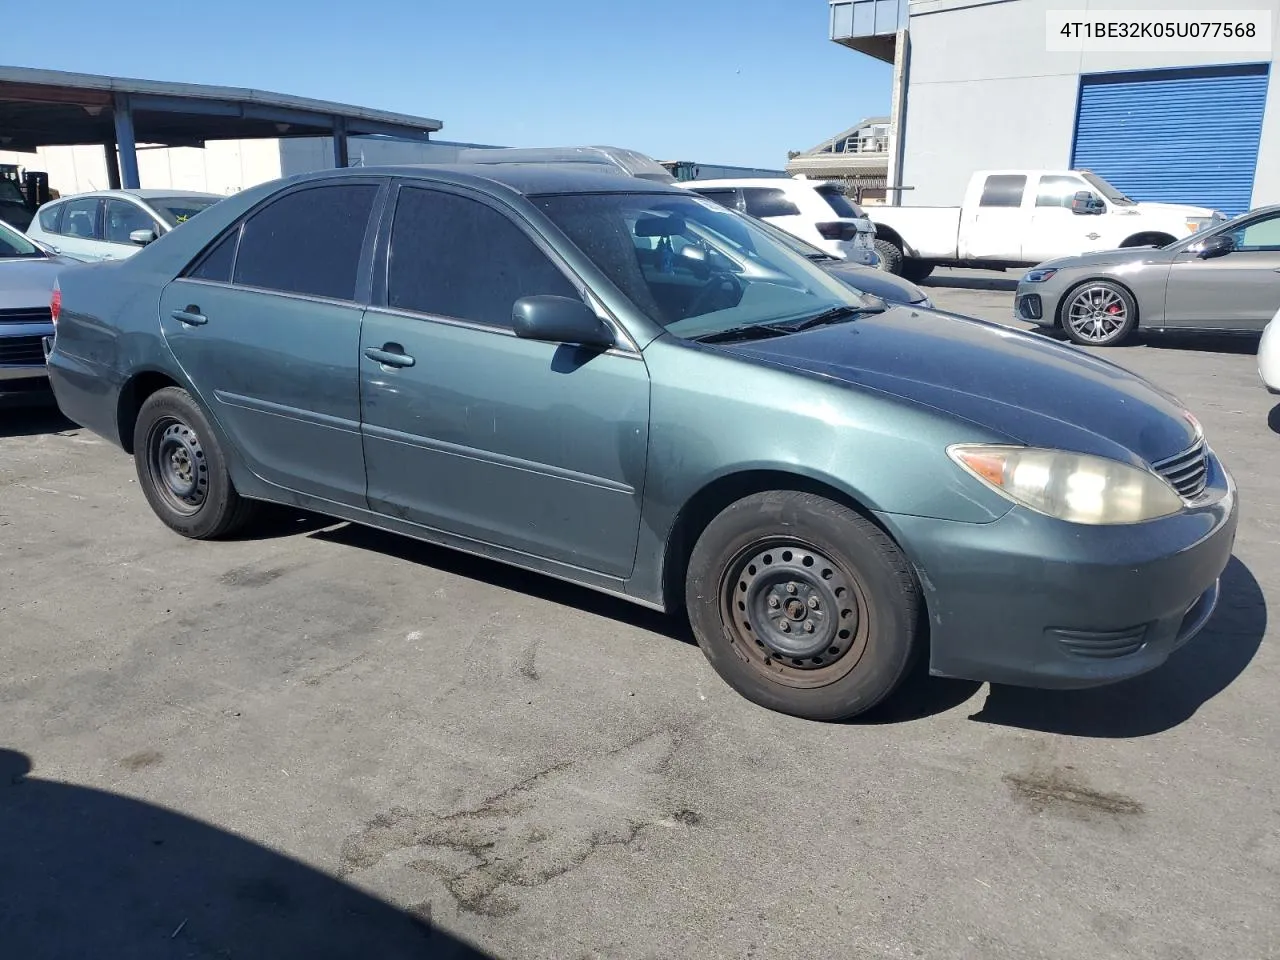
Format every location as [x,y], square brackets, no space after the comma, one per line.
[191,316]
[390,355]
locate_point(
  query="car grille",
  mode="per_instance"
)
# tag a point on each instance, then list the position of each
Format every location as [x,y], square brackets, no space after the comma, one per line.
[37,315]
[1188,472]
[21,350]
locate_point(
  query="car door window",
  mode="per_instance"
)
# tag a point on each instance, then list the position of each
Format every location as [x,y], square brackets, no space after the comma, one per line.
[1260,236]
[1058,191]
[308,242]
[763,202]
[123,218]
[1003,190]
[216,263]
[49,217]
[456,257]
[80,220]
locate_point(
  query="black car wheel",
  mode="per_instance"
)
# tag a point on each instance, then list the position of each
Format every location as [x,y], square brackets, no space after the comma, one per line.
[916,270]
[890,256]
[1099,313]
[182,470]
[802,605]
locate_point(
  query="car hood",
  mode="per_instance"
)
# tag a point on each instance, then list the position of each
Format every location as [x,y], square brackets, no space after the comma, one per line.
[1176,209]
[27,283]
[1110,258]
[1028,389]
[879,283]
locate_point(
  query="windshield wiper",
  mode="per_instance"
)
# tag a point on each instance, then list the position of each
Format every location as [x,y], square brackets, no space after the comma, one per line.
[834,315]
[750,331]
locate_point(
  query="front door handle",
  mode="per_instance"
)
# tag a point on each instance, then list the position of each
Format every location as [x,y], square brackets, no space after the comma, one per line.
[390,355]
[191,316]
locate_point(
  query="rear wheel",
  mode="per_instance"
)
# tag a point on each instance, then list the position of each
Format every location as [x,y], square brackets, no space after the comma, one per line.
[802,605]
[181,468]
[890,256]
[1099,313]
[916,270]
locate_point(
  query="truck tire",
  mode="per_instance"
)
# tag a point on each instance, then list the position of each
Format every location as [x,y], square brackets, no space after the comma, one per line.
[916,270]
[890,256]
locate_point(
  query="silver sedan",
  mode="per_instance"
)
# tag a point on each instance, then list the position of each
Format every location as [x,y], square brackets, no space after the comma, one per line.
[1224,278]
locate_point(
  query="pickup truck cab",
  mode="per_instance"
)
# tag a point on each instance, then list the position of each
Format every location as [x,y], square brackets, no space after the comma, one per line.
[1013,218]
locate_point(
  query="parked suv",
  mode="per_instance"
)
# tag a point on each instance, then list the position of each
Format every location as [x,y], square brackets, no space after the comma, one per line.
[816,212]
[113,224]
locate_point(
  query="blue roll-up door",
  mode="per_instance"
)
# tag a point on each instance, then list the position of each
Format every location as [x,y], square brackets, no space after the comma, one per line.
[1176,136]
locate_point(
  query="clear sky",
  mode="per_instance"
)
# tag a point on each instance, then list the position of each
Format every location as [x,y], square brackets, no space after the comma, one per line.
[717,81]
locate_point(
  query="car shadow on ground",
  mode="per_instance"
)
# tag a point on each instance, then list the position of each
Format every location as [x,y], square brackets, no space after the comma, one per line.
[32,418]
[1156,701]
[507,578]
[1005,284]
[86,873]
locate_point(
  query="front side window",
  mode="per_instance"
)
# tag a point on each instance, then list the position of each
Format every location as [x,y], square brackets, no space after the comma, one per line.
[49,216]
[456,257]
[692,267]
[1003,190]
[1260,236]
[308,242]
[80,219]
[1058,191]
[122,218]
[761,202]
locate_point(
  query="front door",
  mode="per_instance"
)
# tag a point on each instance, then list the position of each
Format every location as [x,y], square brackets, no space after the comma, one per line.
[1237,291]
[993,228]
[1055,231]
[536,447]
[273,350]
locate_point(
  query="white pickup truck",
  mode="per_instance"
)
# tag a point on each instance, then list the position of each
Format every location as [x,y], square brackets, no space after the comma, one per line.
[1023,217]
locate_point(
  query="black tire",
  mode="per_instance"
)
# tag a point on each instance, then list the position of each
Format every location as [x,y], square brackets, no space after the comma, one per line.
[176,453]
[916,270]
[800,558]
[890,256]
[1098,313]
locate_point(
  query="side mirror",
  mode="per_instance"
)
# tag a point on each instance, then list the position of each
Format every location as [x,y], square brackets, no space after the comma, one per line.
[142,237]
[560,320]
[1085,203]
[1218,245]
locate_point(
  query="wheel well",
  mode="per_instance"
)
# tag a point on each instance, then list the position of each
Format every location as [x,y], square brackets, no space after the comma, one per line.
[1148,239]
[888,233]
[1066,297]
[706,504]
[133,395]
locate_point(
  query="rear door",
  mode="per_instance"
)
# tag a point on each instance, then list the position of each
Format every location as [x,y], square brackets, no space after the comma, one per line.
[536,447]
[266,326]
[1239,291]
[81,229]
[993,228]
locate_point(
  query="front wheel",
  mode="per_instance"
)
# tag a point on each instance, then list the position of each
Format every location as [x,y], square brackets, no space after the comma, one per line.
[802,605]
[1099,313]
[181,468]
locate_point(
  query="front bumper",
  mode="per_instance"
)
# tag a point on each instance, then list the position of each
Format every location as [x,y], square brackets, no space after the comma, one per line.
[22,358]
[1033,601]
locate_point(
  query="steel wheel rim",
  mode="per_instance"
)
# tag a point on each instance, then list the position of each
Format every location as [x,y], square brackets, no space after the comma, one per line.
[1097,314]
[756,599]
[178,466]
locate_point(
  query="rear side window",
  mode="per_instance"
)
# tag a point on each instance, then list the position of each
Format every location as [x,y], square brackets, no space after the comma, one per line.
[1003,190]
[726,198]
[308,242]
[80,219]
[216,264]
[455,257]
[768,203]
[49,217]
[839,203]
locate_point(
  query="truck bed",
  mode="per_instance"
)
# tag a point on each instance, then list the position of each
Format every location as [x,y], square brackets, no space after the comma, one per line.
[931,233]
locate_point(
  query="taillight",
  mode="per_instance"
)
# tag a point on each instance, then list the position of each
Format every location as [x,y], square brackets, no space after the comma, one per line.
[838,230]
[55,305]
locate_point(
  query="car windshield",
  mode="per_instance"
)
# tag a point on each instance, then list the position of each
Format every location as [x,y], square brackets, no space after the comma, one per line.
[14,245]
[693,267]
[1108,191]
[176,210]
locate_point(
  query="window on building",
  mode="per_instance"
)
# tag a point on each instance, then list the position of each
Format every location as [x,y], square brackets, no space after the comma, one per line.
[761,202]
[456,257]
[1057,191]
[308,242]
[1003,190]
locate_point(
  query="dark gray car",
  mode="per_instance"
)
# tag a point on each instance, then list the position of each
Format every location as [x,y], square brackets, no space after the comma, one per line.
[27,274]
[1225,278]
[571,373]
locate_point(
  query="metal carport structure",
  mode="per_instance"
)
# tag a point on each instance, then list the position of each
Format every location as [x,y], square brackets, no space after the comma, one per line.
[43,108]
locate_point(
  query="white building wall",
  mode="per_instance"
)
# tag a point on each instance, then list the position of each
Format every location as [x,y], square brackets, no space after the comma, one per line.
[984,92]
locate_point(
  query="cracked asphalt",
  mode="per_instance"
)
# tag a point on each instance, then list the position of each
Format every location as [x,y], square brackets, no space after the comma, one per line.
[331,742]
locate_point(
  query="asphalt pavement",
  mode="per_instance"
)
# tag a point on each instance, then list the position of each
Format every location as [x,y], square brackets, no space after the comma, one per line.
[327,741]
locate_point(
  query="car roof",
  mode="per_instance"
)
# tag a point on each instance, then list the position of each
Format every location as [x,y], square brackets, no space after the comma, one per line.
[530,179]
[773,182]
[143,193]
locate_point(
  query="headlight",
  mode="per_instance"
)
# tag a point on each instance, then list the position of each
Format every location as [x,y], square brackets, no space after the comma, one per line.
[1196,224]
[1038,276]
[1074,487]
